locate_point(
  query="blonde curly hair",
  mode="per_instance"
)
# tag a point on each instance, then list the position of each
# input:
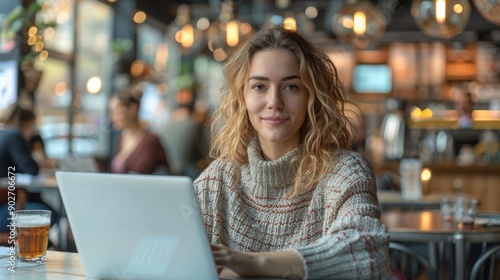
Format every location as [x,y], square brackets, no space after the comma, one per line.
[324,131]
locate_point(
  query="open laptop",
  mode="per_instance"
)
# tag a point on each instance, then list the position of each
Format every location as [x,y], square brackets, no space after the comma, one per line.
[129,226]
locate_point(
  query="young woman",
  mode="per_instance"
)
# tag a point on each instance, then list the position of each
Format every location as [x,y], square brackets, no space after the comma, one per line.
[285,197]
[137,150]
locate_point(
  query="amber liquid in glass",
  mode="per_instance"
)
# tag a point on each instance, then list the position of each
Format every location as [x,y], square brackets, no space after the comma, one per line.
[32,241]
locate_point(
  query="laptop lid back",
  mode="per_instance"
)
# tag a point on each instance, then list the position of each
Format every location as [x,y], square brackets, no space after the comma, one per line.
[136,226]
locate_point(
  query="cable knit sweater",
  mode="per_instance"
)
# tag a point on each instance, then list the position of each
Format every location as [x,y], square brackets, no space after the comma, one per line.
[334,227]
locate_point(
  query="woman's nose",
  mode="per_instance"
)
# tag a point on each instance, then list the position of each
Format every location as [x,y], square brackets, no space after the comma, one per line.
[274,100]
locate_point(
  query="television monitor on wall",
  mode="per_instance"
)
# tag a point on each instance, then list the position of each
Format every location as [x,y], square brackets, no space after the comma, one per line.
[8,83]
[9,54]
[372,79]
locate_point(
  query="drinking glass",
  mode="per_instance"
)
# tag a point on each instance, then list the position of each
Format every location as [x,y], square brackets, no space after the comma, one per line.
[465,212]
[447,211]
[32,230]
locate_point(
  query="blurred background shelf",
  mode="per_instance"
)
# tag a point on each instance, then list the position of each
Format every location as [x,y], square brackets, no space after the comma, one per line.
[444,168]
[449,123]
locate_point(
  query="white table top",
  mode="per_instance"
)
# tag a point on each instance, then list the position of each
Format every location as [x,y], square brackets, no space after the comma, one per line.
[59,265]
[31,182]
[63,266]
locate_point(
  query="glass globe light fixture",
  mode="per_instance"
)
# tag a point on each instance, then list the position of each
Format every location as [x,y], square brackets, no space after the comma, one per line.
[441,18]
[187,34]
[226,33]
[359,23]
[489,9]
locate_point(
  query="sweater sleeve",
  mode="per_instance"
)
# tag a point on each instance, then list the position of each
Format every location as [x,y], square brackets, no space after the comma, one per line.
[355,244]
[205,193]
[211,191]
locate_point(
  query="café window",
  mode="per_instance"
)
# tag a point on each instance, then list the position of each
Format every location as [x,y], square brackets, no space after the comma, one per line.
[159,58]
[93,68]
[58,38]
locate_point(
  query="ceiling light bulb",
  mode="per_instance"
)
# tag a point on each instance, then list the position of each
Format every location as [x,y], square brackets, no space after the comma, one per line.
[441,18]
[359,23]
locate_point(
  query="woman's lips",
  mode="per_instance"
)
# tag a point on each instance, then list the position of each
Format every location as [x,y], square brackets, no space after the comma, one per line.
[275,120]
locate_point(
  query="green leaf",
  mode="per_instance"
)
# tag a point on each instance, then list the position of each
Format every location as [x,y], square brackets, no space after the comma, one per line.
[20,19]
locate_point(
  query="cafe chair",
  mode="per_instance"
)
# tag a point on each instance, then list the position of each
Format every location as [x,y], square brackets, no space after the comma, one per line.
[403,260]
[489,255]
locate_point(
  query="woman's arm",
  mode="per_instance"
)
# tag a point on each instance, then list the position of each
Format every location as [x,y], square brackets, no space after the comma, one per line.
[286,264]
[355,244]
[38,153]
[355,247]
[355,253]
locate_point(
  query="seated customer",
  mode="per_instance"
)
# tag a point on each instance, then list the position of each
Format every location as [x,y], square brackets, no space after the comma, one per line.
[37,148]
[182,137]
[137,150]
[285,197]
[17,127]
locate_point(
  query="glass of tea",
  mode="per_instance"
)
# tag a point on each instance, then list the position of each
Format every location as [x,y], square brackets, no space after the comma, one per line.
[32,229]
[465,212]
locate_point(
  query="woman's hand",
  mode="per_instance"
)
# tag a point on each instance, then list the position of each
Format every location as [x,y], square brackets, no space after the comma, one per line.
[286,264]
[243,264]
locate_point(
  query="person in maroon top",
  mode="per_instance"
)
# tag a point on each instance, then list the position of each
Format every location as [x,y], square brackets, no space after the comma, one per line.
[137,150]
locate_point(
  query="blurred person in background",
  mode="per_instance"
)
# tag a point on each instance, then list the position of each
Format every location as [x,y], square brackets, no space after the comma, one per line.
[37,148]
[17,128]
[182,138]
[137,150]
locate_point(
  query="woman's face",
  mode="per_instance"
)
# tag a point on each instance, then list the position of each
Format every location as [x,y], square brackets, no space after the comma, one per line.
[120,115]
[276,98]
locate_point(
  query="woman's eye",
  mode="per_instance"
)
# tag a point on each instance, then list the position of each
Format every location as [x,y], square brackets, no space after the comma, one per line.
[258,87]
[291,87]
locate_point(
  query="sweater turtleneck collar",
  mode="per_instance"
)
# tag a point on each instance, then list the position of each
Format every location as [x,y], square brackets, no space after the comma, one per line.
[274,174]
